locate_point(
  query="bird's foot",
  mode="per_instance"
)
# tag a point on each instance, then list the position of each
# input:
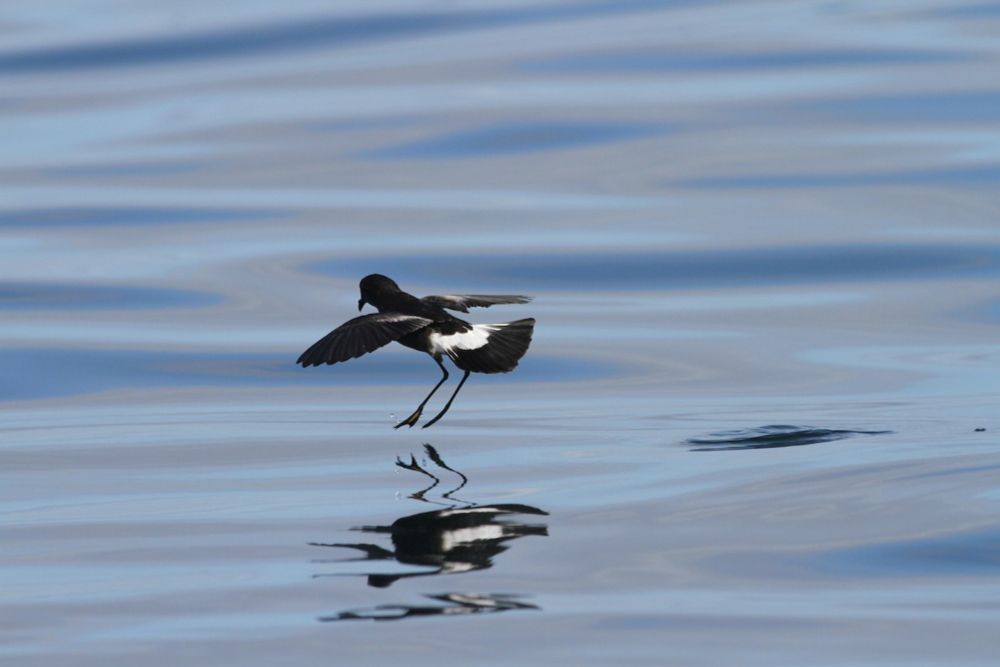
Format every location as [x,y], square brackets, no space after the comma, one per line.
[416,467]
[410,421]
[412,465]
[433,421]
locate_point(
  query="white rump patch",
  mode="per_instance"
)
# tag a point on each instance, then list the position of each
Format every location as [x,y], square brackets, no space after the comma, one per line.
[466,536]
[468,340]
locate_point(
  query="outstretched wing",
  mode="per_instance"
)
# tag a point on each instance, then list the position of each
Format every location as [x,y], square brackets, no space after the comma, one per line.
[462,302]
[359,336]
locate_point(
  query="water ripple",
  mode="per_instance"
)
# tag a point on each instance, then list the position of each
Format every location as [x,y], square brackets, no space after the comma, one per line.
[294,35]
[44,296]
[85,216]
[691,269]
[972,176]
[45,372]
[974,106]
[240,42]
[770,437]
[652,61]
[977,10]
[520,137]
[967,554]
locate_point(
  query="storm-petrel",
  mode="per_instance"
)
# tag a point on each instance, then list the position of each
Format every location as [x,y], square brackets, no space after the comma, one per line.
[425,325]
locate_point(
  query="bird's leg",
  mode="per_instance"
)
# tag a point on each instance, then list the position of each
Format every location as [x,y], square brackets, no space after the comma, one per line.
[412,419]
[448,404]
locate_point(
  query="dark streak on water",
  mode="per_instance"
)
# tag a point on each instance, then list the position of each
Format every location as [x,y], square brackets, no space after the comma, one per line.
[972,11]
[681,61]
[45,296]
[294,36]
[971,177]
[242,42]
[86,216]
[770,437]
[125,169]
[973,106]
[515,138]
[41,373]
[967,554]
[696,269]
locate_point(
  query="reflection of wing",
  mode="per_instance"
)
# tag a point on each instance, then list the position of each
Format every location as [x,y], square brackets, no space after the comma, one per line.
[371,551]
[360,335]
[462,302]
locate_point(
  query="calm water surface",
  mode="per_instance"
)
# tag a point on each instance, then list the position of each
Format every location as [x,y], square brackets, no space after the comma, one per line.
[758,422]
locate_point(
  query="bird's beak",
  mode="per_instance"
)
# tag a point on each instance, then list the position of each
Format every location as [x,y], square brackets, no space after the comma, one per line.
[361,304]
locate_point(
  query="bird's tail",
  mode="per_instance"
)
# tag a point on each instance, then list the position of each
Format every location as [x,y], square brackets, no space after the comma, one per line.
[505,345]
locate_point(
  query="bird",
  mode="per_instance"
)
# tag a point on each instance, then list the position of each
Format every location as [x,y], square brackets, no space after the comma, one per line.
[424,324]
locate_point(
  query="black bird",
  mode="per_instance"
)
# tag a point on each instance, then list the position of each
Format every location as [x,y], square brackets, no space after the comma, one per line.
[425,325]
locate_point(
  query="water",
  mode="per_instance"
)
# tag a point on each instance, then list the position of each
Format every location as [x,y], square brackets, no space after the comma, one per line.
[757,424]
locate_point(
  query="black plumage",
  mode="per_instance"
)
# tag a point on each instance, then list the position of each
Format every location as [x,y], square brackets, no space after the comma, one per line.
[359,336]
[425,325]
[462,302]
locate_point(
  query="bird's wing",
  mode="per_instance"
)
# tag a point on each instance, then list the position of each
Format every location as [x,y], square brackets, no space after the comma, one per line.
[462,302]
[360,335]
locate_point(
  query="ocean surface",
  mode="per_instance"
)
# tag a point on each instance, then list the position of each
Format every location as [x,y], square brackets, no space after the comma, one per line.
[758,423]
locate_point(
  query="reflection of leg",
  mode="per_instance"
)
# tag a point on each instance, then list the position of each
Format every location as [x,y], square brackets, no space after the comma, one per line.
[436,458]
[448,404]
[416,467]
[412,419]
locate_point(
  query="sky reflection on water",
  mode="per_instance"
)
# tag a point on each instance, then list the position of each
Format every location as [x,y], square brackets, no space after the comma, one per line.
[29,296]
[89,217]
[45,373]
[516,138]
[798,265]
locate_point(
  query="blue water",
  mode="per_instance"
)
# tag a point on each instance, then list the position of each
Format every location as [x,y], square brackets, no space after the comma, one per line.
[696,269]
[101,217]
[39,372]
[515,138]
[757,424]
[40,296]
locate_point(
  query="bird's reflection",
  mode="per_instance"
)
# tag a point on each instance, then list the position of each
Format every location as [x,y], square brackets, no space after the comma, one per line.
[461,539]
[461,536]
[455,604]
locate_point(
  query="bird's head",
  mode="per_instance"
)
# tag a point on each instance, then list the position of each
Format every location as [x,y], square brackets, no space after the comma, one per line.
[373,287]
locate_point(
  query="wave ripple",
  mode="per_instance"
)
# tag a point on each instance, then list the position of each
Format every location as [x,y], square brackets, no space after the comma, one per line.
[770,437]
